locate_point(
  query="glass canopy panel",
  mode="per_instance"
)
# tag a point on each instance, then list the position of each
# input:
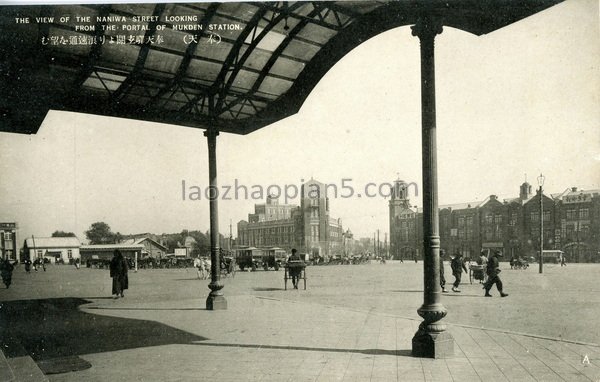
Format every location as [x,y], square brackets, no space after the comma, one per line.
[244,80]
[144,89]
[161,63]
[305,10]
[274,85]
[203,70]
[96,82]
[257,59]
[193,7]
[243,11]
[301,50]
[173,104]
[287,68]
[316,33]
[115,55]
[135,9]
[216,52]
[138,100]
[336,18]
[359,6]
[178,96]
[269,42]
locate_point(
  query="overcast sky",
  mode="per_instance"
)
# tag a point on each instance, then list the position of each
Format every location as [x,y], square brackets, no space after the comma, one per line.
[521,100]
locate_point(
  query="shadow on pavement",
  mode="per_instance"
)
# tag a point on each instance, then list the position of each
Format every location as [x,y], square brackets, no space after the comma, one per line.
[462,295]
[266,289]
[407,291]
[126,308]
[399,353]
[54,328]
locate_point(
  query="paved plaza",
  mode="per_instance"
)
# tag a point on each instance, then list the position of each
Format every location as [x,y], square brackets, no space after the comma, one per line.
[353,323]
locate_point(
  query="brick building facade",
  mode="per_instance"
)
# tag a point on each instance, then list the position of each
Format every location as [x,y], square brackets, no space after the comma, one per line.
[571,224]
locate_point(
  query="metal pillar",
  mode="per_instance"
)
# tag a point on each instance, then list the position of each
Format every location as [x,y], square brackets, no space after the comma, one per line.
[215,299]
[431,340]
[541,262]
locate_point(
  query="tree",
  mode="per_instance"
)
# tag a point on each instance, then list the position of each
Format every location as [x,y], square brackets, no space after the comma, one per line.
[100,233]
[63,234]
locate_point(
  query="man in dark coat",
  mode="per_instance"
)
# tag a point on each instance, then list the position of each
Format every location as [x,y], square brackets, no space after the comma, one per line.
[6,269]
[493,272]
[458,265]
[442,278]
[118,272]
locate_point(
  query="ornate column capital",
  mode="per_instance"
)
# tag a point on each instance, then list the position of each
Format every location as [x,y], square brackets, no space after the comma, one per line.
[211,132]
[427,28]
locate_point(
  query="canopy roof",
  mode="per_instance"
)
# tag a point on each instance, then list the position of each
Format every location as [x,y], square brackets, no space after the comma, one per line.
[255,66]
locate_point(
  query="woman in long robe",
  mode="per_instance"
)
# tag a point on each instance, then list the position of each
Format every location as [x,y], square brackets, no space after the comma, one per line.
[118,272]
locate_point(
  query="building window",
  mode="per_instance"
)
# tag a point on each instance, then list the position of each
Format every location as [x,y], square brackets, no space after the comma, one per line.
[489,218]
[39,253]
[571,215]
[469,233]
[534,216]
[584,231]
[584,213]
[469,220]
[546,216]
[69,254]
[461,222]
[513,219]
[489,234]
[498,219]
[7,236]
[570,231]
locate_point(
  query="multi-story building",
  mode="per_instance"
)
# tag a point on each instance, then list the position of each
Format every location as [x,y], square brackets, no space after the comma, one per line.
[571,223]
[577,225]
[405,235]
[8,241]
[308,227]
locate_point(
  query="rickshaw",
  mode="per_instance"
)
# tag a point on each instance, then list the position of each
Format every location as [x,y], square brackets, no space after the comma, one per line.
[477,272]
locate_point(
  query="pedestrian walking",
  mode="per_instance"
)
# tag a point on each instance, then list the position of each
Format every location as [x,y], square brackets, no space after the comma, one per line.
[199,265]
[206,265]
[458,265]
[442,278]
[493,272]
[6,270]
[118,272]
[27,263]
[483,260]
[563,260]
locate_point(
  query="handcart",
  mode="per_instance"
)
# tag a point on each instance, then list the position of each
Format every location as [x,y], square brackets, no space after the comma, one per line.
[293,268]
[476,272]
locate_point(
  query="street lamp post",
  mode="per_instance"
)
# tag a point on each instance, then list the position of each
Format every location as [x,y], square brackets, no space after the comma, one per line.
[541,183]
